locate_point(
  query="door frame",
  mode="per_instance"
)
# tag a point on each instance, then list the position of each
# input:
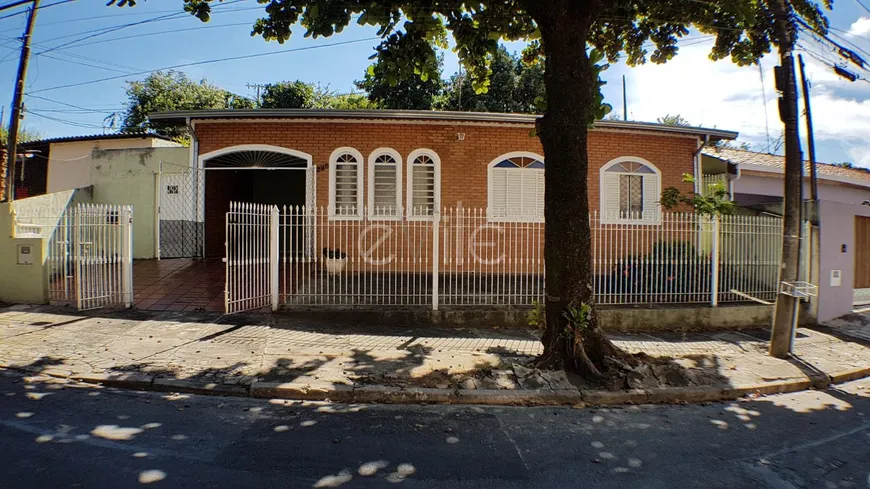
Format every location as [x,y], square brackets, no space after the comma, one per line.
[310,194]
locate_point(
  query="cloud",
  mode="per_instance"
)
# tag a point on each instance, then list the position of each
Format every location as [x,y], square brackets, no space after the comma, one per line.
[860,27]
[714,94]
[860,154]
[723,95]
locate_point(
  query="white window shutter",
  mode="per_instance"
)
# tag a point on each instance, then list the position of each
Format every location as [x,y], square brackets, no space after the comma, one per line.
[610,196]
[385,190]
[346,188]
[651,197]
[514,194]
[423,189]
[498,193]
[529,194]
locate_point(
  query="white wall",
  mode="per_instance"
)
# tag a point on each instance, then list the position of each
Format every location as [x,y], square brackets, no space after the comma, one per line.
[771,184]
[69,163]
[127,176]
[839,204]
[837,229]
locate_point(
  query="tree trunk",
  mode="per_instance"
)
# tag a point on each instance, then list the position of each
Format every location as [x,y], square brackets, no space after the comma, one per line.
[571,89]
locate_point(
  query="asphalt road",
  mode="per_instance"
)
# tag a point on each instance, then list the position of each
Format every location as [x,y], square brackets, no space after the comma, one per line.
[57,435]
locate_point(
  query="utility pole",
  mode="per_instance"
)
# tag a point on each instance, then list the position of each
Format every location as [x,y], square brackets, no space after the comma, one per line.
[624,101]
[811,144]
[258,86]
[17,102]
[786,309]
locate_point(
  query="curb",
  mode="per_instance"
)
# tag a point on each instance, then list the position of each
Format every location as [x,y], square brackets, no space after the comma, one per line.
[850,374]
[419,395]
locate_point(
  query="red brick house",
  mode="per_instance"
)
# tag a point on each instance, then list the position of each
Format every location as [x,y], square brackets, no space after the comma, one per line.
[402,165]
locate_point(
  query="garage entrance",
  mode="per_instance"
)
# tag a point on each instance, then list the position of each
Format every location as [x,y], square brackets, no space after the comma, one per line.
[255,174]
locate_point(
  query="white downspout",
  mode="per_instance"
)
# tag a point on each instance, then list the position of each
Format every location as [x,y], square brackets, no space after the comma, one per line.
[200,181]
[697,162]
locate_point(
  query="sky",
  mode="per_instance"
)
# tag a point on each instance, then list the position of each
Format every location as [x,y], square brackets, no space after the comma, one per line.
[713,94]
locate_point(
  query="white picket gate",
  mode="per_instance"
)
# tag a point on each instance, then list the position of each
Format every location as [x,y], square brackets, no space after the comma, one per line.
[251,257]
[90,254]
[103,245]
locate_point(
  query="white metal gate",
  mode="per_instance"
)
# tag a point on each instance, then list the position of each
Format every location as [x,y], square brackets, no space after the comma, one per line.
[251,257]
[90,256]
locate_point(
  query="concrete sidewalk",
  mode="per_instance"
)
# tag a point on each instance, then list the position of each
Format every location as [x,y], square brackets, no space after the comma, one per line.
[285,356]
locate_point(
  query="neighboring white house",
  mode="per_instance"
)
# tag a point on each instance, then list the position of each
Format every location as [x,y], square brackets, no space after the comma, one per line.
[69,158]
[843,215]
[146,171]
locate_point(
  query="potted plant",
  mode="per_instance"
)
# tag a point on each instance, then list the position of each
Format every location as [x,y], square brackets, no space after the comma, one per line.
[335,260]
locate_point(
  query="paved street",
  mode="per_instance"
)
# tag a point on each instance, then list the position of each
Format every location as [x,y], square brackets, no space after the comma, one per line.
[56,434]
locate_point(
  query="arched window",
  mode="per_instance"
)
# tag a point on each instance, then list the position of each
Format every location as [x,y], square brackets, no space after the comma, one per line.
[516,188]
[345,184]
[385,189]
[424,183]
[630,191]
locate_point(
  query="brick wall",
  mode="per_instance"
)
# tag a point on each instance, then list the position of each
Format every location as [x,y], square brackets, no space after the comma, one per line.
[463,163]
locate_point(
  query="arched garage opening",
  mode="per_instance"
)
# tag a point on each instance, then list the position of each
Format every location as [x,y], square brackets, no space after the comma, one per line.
[250,173]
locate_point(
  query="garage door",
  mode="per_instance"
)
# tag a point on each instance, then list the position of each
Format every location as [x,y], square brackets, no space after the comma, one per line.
[862,252]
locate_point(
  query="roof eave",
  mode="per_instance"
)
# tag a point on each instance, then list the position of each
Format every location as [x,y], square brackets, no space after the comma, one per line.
[181,117]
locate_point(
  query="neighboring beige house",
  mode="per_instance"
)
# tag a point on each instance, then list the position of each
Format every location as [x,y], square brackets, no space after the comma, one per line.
[843,215]
[64,163]
[113,169]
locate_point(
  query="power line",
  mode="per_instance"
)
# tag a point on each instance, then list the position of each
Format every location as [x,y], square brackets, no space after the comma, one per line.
[846,41]
[79,112]
[15,3]
[129,13]
[859,2]
[67,122]
[81,63]
[59,102]
[41,7]
[79,56]
[177,15]
[167,31]
[844,52]
[840,60]
[210,61]
[100,32]
[828,62]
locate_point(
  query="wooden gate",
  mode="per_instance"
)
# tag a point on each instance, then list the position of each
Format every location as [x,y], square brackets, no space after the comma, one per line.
[862,252]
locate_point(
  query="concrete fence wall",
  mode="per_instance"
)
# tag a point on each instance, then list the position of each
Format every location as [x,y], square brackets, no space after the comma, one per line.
[22,282]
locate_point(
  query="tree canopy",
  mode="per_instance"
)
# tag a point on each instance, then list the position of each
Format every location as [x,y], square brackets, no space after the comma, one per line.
[409,92]
[514,86]
[287,95]
[302,95]
[173,90]
[24,135]
[560,31]
[673,120]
